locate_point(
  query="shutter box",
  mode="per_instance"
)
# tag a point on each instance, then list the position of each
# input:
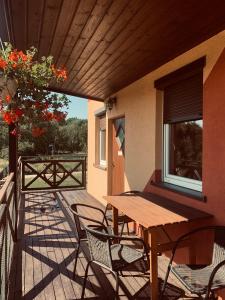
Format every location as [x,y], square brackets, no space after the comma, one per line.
[183,93]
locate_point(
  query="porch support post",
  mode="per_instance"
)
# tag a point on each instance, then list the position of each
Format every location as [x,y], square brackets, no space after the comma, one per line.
[13,159]
[13,142]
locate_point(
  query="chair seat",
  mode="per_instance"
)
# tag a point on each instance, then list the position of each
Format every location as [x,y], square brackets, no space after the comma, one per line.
[123,255]
[196,277]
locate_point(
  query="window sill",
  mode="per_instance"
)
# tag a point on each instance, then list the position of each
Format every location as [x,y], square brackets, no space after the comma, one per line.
[181,190]
[104,168]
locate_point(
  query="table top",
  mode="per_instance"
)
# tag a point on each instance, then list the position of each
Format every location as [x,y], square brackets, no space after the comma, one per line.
[151,210]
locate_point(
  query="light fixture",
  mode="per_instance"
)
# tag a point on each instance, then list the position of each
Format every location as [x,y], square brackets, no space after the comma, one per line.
[110,102]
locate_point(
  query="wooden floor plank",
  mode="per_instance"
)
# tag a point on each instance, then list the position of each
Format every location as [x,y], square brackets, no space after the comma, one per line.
[38,265]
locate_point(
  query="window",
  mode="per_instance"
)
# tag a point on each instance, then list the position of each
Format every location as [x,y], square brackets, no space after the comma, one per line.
[183,125]
[102,140]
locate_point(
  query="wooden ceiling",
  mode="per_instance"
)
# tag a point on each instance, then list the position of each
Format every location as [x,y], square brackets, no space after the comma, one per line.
[107,44]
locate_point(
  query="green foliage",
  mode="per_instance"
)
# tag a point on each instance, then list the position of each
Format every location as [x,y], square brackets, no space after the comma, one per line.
[67,136]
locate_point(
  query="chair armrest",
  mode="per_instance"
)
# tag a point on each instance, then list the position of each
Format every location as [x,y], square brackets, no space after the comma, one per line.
[213,274]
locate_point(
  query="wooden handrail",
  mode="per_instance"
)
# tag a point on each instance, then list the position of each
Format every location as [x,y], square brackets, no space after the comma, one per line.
[5,187]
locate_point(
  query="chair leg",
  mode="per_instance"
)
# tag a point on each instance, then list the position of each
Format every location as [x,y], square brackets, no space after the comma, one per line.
[128,232]
[117,285]
[85,279]
[165,283]
[122,228]
[76,258]
[135,227]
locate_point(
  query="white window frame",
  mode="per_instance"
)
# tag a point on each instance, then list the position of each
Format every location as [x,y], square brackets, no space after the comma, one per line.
[102,161]
[174,179]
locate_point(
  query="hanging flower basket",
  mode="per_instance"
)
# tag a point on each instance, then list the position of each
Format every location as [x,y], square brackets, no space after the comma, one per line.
[24,94]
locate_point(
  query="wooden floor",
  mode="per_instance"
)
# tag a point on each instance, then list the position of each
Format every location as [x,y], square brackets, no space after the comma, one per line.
[44,257]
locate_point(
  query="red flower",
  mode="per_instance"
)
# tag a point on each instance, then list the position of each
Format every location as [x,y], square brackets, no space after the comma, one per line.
[23,56]
[59,116]
[9,117]
[59,73]
[3,63]
[37,104]
[48,116]
[13,56]
[19,112]
[8,98]
[14,132]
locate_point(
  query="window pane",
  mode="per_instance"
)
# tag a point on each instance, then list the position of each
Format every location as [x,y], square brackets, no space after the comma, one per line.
[102,145]
[185,149]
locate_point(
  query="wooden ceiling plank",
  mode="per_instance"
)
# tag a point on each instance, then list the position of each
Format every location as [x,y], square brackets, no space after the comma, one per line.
[35,11]
[66,17]
[106,24]
[50,19]
[122,20]
[18,10]
[3,23]
[80,19]
[70,93]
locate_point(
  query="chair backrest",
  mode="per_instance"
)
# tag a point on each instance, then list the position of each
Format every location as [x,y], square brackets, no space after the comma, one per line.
[77,221]
[99,245]
[131,193]
[79,217]
[219,245]
[127,193]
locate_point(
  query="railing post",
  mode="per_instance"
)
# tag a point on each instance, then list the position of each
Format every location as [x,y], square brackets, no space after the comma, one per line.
[13,160]
[85,168]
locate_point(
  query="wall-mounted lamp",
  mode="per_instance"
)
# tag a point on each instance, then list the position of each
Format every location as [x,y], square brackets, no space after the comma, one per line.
[110,102]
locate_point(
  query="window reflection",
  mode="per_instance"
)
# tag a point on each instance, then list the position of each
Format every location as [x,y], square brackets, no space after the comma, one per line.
[185,149]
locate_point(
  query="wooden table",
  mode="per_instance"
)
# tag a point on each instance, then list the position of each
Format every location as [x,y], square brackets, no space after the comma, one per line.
[151,212]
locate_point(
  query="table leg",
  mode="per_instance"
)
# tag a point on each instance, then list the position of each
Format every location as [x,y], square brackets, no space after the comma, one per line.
[153,266]
[115,220]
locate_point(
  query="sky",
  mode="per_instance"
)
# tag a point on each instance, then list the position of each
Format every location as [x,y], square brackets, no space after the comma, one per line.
[77,108]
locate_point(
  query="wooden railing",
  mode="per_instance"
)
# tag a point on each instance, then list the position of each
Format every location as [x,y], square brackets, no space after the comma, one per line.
[8,232]
[42,174]
[4,172]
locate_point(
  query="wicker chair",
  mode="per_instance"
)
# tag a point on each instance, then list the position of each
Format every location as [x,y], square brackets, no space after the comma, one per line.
[122,219]
[81,233]
[202,280]
[108,252]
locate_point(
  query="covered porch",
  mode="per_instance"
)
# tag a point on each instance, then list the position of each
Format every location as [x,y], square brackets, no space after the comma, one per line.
[105,46]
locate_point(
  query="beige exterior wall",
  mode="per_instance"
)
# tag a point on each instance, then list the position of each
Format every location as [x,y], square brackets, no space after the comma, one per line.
[138,104]
[96,177]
